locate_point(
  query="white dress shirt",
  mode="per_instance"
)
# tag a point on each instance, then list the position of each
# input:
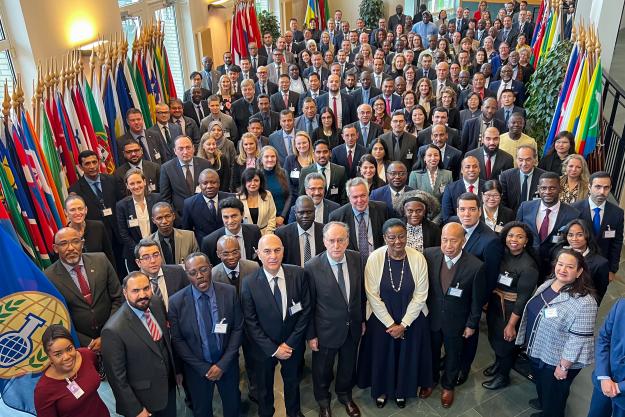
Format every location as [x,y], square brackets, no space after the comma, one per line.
[553,215]
[302,241]
[335,269]
[281,285]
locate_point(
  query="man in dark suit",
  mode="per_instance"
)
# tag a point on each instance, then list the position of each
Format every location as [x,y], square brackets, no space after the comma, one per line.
[366,91]
[364,218]
[507,83]
[153,150]
[284,98]
[137,353]
[337,317]
[317,67]
[303,239]
[269,118]
[366,130]
[179,176]
[315,89]
[232,269]
[164,130]
[348,155]
[187,125]
[469,182]
[508,106]
[282,139]
[396,179]
[256,60]
[223,68]
[243,108]
[101,193]
[508,33]
[378,76]
[426,70]
[201,211]
[493,161]
[440,116]
[166,280]
[442,79]
[315,188]
[133,157]
[210,77]
[276,308]
[197,108]
[231,209]
[401,145]
[88,283]
[392,99]
[451,156]
[515,190]
[605,217]
[345,109]
[334,179]
[477,86]
[208,344]
[461,22]
[545,217]
[196,81]
[263,85]
[473,129]
[455,302]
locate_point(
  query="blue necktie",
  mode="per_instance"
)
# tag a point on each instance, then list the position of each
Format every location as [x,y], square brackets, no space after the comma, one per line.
[213,345]
[277,296]
[596,221]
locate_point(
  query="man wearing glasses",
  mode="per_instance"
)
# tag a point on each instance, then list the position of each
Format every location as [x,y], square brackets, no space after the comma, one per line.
[133,158]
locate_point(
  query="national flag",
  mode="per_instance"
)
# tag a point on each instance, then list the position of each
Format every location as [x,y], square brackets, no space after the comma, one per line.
[5,224]
[539,22]
[578,100]
[113,118]
[14,211]
[312,8]
[51,154]
[95,109]
[238,44]
[589,125]
[567,112]
[170,79]
[69,155]
[324,13]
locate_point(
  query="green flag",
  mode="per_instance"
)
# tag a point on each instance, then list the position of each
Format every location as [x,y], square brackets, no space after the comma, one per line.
[50,152]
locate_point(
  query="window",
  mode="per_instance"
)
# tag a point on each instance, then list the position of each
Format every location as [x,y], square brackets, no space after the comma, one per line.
[123,3]
[261,5]
[172,44]
[130,27]
[7,72]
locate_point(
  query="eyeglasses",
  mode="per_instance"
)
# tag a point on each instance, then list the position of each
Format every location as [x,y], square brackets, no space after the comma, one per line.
[195,272]
[491,196]
[148,257]
[74,242]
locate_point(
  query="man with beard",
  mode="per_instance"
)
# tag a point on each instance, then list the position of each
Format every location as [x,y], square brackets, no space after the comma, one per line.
[341,104]
[473,129]
[492,159]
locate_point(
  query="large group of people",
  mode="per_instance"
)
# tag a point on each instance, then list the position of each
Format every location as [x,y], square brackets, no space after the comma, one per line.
[364,194]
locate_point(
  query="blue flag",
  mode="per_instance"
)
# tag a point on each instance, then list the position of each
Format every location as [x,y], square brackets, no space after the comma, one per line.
[29,303]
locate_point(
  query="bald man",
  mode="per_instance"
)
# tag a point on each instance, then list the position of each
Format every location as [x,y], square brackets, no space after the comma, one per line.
[276,308]
[455,304]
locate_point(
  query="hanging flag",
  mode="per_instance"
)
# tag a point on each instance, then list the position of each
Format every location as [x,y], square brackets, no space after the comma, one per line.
[312,8]
[112,116]
[578,100]
[95,110]
[589,127]
[7,195]
[5,224]
[539,22]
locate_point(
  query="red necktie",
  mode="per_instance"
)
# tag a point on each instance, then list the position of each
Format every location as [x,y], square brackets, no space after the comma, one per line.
[471,188]
[488,167]
[286,100]
[336,116]
[83,284]
[388,105]
[152,327]
[544,227]
[349,159]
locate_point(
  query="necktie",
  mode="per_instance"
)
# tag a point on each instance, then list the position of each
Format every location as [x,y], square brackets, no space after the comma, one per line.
[211,208]
[277,296]
[213,346]
[155,333]
[488,167]
[98,190]
[507,112]
[440,87]
[378,81]
[471,188]
[167,253]
[234,279]
[266,126]
[505,34]
[544,227]
[365,96]
[146,149]
[167,135]
[365,135]
[349,159]
[596,221]
[254,62]
[262,89]
[308,126]
[396,148]
[336,116]
[425,73]
[363,236]
[155,288]
[395,197]
[307,248]
[450,263]
[83,284]
[323,172]
[524,188]
[287,138]
[285,97]
[388,105]
[188,176]
[200,112]
[182,128]
[341,280]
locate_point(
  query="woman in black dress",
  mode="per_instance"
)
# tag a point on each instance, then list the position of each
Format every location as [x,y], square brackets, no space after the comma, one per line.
[515,285]
[393,358]
[327,128]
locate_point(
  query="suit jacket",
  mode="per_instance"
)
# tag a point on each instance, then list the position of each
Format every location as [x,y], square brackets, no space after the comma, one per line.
[384,195]
[501,113]
[264,326]
[307,94]
[241,114]
[174,132]
[185,332]
[131,235]
[378,214]
[453,137]
[513,34]
[332,317]
[511,185]
[106,293]
[486,246]
[289,235]
[175,279]
[188,109]
[230,128]
[503,161]
[517,87]
[205,94]
[173,185]
[464,95]
[271,88]
[420,180]
[324,73]
[396,101]
[504,215]
[197,217]
[266,213]
[151,170]
[246,268]
[449,313]
[140,372]
[276,139]
[97,240]
[449,204]
[277,102]
[339,157]
[407,151]
[358,95]
[335,190]
[251,236]
[348,109]
[273,122]
[375,131]
[452,159]
[261,60]
[184,244]
[611,219]
[448,83]
[300,123]
[328,207]
[156,152]
[471,133]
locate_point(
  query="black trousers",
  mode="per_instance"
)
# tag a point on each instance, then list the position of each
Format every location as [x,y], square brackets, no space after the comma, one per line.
[202,391]
[170,409]
[264,370]
[469,350]
[453,353]
[323,369]
[552,393]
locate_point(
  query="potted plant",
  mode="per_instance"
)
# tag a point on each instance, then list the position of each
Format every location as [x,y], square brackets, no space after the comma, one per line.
[371,11]
[268,22]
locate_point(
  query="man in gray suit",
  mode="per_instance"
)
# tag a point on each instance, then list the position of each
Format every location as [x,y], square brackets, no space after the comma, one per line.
[88,283]
[176,244]
[164,131]
[230,128]
[187,124]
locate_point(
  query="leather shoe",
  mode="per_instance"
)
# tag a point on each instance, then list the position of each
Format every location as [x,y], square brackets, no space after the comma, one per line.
[425,393]
[352,409]
[535,404]
[447,398]
[325,412]
[380,402]
[491,370]
[462,378]
[499,381]
[401,402]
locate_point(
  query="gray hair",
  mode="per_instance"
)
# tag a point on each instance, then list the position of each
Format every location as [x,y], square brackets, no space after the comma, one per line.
[355,182]
[335,223]
[314,176]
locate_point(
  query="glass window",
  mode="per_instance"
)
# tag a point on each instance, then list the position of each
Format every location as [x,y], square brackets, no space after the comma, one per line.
[130,27]
[123,3]
[7,71]
[167,16]
[261,5]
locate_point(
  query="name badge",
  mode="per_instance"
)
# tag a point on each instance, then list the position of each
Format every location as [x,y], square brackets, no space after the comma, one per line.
[197,189]
[133,222]
[505,279]
[157,155]
[107,212]
[292,108]
[152,187]
[441,189]
[221,327]
[227,134]
[498,228]
[295,308]
[409,155]
[295,174]
[556,239]
[74,388]
[334,191]
[551,312]
[455,291]
[609,234]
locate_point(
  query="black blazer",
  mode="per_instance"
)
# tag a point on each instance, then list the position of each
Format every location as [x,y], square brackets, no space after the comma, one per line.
[197,217]
[453,137]
[504,215]
[431,234]
[449,202]
[375,131]
[407,151]
[511,186]
[503,161]
[251,236]
[131,235]
[348,108]
[420,73]
[449,313]
[185,332]
[175,279]
[332,318]
[240,111]
[97,240]
[264,326]
[357,96]
[339,157]
[471,132]
[272,126]
[452,159]
[378,214]
[290,240]
[551,162]
[156,149]
[485,244]
[140,373]
[271,88]
[188,109]
[328,207]
[173,185]
[151,170]
[335,191]
[277,103]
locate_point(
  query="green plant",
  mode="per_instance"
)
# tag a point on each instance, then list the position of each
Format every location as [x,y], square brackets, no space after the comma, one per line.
[268,22]
[371,11]
[544,91]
